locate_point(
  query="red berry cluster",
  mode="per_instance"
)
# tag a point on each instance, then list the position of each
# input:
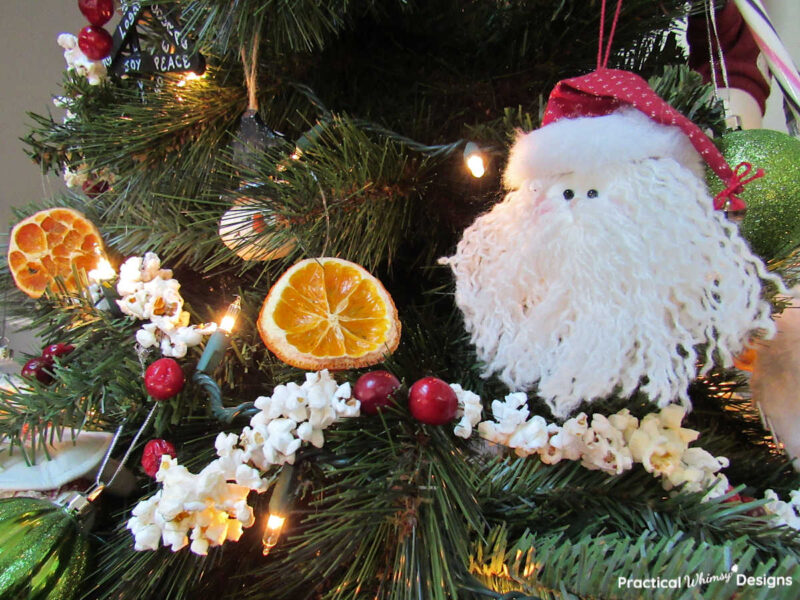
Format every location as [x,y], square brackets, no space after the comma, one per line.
[40,367]
[94,41]
[430,400]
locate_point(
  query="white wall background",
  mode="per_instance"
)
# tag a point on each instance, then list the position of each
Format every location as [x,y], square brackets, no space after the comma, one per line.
[31,66]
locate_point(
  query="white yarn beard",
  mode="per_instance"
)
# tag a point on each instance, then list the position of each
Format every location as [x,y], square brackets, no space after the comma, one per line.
[593,296]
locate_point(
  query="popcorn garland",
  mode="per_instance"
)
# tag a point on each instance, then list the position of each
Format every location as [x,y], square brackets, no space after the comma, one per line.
[785,513]
[295,414]
[81,177]
[211,507]
[469,409]
[207,508]
[611,444]
[94,70]
[205,504]
[75,179]
[148,292]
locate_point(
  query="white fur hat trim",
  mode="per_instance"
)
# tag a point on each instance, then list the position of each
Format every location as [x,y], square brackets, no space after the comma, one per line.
[597,143]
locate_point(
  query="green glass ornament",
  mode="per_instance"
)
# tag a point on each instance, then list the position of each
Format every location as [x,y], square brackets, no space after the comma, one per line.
[43,548]
[772,222]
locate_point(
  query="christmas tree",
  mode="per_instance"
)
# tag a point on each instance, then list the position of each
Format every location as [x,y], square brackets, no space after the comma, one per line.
[372,425]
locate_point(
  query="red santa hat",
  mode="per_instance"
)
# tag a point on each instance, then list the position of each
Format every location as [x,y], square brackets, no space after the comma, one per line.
[611,116]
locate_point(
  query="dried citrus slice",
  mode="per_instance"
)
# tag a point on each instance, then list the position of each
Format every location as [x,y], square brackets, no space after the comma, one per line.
[329,313]
[48,244]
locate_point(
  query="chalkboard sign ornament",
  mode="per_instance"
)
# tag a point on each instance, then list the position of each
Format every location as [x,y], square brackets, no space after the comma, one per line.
[175,55]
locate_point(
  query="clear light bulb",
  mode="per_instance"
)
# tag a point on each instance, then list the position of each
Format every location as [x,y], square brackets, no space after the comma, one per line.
[475,165]
[229,320]
[272,532]
[474,159]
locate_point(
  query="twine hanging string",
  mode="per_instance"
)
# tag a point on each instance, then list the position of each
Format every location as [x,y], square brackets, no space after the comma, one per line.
[251,73]
[602,62]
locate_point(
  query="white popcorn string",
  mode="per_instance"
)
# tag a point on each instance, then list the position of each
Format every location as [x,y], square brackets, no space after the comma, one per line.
[95,73]
[211,507]
[149,293]
[611,444]
[93,70]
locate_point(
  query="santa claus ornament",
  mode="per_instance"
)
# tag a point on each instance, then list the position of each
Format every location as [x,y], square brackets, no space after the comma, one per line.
[606,267]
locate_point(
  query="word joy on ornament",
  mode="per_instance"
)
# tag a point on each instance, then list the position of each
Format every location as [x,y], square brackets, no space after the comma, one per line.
[175,55]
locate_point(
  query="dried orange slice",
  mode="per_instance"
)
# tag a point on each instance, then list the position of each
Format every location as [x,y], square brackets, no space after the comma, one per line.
[48,244]
[329,313]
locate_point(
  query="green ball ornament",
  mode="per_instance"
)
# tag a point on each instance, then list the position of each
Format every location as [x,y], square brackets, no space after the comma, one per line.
[43,550]
[772,222]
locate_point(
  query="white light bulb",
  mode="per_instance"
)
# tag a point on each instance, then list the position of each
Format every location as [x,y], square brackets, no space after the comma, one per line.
[476,166]
[229,320]
[473,156]
[272,532]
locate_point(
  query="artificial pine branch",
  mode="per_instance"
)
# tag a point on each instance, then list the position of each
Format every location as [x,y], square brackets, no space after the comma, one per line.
[388,507]
[291,27]
[685,91]
[125,574]
[788,268]
[349,194]
[83,394]
[393,514]
[550,566]
[568,497]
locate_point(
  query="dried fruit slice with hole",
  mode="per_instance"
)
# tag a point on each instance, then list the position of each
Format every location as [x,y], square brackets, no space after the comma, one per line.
[329,313]
[47,244]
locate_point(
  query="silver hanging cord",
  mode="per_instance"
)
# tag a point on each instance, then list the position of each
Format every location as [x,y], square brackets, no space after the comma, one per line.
[731,121]
[99,485]
[711,26]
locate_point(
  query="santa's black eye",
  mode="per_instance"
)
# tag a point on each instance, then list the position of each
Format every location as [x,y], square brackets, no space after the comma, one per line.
[569,194]
[591,194]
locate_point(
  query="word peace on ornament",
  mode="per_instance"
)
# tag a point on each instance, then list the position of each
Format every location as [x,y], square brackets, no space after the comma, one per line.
[175,57]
